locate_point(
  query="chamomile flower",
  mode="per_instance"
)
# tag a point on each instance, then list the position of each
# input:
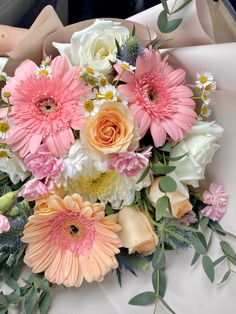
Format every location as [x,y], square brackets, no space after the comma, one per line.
[5,128]
[206,100]
[125,66]
[205,111]
[102,81]
[90,107]
[3,77]
[44,70]
[204,78]
[210,88]
[107,93]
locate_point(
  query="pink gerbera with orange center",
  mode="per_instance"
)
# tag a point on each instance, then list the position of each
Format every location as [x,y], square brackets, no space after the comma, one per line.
[45,107]
[71,240]
[158,98]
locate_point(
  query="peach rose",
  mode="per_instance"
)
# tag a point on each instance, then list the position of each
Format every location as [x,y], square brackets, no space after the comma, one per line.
[111,130]
[179,199]
[136,233]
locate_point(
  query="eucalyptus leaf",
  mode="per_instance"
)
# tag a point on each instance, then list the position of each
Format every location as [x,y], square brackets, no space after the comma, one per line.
[226,276]
[178,157]
[158,259]
[227,249]
[195,258]
[197,244]
[166,148]
[166,305]
[182,6]
[143,298]
[38,280]
[161,207]
[167,184]
[154,279]
[162,283]
[144,174]
[172,25]
[204,222]
[208,267]
[165,5]
[44,303]
[162,21]
[3,300]
[158,169]
[12,283]
[219,260]
[31,301]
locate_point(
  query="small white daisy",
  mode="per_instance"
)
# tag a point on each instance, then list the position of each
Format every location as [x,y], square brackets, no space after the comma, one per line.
[3,76]
[107,93]
[205,111]
[5,128]
[204,78]
[125,65]
[210,88]
[206,100]
[44,70]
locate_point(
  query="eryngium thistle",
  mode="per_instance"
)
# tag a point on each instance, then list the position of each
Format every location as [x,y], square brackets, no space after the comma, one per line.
[130,50]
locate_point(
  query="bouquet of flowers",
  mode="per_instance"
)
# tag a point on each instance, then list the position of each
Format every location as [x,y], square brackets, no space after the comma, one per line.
[102,150]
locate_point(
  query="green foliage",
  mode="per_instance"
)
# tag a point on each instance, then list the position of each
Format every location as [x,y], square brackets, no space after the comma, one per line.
[144,298]
[10,241]
[208,267]
[159,259]
[161,207]
[167,184]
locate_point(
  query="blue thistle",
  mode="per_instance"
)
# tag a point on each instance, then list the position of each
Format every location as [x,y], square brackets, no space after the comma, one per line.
[130,50]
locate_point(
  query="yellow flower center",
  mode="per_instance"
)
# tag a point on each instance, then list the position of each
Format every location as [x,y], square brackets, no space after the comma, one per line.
[3,154]
[88,105]
[125,66]
[204,110]
[119,99]
[204,96]
[90,70]
[109,95]
[208,87]
[4,127]
[103,82]
[43,72]
[203,79]
[91,81]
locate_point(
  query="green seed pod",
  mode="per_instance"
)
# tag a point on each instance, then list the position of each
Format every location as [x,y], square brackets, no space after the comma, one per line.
[6,201]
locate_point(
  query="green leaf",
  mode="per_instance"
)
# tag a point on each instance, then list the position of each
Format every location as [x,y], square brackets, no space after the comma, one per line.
[12,283]
[182,6]
[172,25]
[161,207]
[227,249]
[45,286]
[133,31]
[158,259]
[195,258]
[162,169]
[162,21]
[31,301]
[166,148]
[154,279]
[167,184]
[143,298]
[14,297]
[197,244]
[162,283]
[165,5]
[226,276]
[178,236]
[177,158]
[144,174]
[208,267]
[202,238]
[3,300]
[215,226]
[219,260]
[3,311]
[166,305]
[204,222]
[44,303]
[38,279]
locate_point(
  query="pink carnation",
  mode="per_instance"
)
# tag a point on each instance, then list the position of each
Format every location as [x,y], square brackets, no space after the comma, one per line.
[4,224]
[158,98]
[216,199]
[43,164]
[130,163]
[45,108]
[35,189]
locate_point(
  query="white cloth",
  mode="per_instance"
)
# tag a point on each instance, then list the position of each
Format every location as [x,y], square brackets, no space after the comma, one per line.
[3,61]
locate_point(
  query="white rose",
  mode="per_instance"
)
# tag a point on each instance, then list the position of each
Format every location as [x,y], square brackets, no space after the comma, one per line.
[95,45]
[201,146]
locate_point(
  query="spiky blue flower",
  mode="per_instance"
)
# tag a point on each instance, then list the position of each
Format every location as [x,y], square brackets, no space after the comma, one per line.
[130,50]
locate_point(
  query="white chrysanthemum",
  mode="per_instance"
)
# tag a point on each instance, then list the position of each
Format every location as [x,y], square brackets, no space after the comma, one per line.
[204,78]
[107,186]
[12,164]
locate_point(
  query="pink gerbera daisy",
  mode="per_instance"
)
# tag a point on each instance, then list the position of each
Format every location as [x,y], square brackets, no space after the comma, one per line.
[70,240]
[45,107]
[158,99]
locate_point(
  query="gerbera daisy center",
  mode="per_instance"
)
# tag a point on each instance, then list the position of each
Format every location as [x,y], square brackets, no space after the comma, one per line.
[47,106]
[152,96]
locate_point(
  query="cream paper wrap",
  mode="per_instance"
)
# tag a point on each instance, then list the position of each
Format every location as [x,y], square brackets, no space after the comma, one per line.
[188,289]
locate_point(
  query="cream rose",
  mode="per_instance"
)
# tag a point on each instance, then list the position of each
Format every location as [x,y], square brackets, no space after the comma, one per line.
[179,200]
[95,45]
[201,146]
[136,233]
[112,130]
